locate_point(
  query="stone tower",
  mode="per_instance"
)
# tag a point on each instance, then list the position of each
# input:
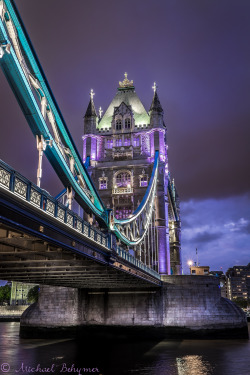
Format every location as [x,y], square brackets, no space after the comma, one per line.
[120,147]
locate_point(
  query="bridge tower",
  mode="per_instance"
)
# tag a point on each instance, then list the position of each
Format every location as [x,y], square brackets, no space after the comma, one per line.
[121,145]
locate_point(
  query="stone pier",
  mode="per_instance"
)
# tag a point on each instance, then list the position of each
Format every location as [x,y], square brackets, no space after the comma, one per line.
[185,306]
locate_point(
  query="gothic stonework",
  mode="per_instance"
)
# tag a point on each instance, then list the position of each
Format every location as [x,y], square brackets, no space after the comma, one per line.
[121,146]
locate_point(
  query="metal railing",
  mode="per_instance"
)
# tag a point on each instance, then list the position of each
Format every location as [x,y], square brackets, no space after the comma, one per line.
[42,200]
[136,262]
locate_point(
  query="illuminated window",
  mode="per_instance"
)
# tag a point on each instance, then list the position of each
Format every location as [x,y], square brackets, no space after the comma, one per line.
[103,183]
[122,212]
[127,141]
[118,142]
[123,179]
[118,124]
[127,123]
[143,181]
[136,142]
[109,143]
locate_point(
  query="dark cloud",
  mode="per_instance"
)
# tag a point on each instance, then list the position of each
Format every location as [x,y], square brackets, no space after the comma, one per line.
[205,237]
[246,229]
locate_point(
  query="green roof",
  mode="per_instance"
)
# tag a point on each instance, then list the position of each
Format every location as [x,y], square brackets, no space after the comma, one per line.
[129,97]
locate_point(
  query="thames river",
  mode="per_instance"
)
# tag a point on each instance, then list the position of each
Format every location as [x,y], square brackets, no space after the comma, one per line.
[108,356]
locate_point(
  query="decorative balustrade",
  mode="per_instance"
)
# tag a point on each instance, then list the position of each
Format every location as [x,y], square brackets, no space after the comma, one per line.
[123,190]
[40,199]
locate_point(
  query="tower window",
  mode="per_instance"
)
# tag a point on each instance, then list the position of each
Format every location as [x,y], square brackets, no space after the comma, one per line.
[103,183]
[127,141]
[143,181]
[122,212]
[109,143]
[118,142]
[136,142]
[123,179]
[118,124]
[127,123]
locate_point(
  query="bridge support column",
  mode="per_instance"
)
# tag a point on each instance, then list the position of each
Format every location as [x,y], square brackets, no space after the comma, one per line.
[58,310]
[185,306]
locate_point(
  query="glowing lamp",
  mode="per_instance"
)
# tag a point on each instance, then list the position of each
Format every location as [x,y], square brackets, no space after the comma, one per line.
[190,263]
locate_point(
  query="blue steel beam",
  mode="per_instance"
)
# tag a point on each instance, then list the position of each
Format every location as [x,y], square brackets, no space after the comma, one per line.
[17,79]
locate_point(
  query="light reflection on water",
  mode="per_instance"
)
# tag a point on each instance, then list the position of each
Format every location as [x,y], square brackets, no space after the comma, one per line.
[193,365]
[119,357]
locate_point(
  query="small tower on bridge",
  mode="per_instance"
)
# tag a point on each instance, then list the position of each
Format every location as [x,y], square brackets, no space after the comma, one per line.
[121,146]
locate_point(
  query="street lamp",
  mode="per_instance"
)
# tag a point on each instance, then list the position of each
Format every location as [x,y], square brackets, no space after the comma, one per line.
[190,263]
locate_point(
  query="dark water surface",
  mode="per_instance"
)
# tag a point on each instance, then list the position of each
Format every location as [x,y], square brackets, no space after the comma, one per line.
[118,357]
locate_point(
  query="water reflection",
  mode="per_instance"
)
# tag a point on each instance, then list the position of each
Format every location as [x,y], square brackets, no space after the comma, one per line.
[193,365]
[113,356]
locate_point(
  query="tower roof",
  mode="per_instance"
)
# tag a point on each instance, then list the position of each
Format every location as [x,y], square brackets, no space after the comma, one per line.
[91,107]
[126,94]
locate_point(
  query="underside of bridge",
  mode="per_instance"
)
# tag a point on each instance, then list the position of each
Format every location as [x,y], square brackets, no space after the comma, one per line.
[30,259]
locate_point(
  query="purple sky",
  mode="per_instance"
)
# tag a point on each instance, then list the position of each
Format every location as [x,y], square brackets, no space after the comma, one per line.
[198,52]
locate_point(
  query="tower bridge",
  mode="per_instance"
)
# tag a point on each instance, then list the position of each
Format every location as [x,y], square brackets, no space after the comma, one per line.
[116,259]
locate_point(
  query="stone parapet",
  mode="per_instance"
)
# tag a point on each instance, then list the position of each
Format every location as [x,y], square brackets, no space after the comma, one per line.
[11,312]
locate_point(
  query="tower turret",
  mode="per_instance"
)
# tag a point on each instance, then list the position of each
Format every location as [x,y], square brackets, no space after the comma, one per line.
[90,117]
[156,111]
[90,124]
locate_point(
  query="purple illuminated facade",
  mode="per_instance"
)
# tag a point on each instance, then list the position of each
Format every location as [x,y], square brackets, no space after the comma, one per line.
[121,145]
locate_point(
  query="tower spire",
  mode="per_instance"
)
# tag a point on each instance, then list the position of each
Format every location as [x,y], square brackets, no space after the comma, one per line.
[90,112]
[156,105]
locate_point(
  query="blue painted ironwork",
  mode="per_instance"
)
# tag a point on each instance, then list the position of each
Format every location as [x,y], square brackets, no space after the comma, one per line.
[22,80]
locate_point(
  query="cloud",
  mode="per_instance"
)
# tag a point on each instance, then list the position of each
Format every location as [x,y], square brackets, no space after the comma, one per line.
[219,229]
[207,237]
[240,225]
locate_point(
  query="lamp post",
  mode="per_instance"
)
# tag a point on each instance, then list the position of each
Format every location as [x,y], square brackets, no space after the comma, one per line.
[190,263]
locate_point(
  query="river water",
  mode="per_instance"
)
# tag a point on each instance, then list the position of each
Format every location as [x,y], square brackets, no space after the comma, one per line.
[118,357]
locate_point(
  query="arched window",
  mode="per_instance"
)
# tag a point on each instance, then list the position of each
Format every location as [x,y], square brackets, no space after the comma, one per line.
[118,142]
[136,141]
[109,143]
[103,183]
[143,180]
[127,141]
[118,124]
[123,179]
[127,123]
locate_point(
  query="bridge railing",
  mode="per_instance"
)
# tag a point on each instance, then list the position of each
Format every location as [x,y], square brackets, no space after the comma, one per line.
[136,262]
[24,189]
[40,199]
